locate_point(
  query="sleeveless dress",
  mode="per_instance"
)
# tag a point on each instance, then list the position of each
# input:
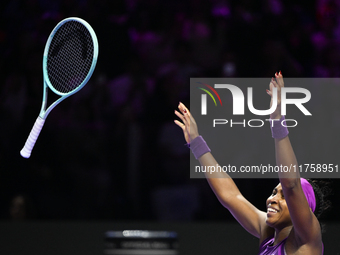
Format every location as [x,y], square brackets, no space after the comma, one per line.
[266,247]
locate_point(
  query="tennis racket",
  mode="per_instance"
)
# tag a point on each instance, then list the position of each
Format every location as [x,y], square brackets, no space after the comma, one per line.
[70,57]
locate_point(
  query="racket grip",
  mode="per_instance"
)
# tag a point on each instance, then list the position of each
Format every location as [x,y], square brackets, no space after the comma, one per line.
[32,138]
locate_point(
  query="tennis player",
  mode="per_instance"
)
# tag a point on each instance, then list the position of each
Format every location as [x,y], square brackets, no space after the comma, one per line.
[290,225]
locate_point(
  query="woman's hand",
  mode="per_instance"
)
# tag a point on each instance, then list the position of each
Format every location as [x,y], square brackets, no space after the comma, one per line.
[278,83]
[188,126]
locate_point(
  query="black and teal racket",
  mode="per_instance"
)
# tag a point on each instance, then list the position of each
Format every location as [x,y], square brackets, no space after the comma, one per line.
[69,60]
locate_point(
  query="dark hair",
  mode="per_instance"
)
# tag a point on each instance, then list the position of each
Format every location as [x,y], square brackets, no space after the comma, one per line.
[322,189]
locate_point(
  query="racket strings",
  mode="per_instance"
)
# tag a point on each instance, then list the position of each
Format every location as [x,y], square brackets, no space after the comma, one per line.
[70,56]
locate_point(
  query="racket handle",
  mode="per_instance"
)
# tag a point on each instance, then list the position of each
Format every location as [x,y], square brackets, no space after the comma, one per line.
[32,138]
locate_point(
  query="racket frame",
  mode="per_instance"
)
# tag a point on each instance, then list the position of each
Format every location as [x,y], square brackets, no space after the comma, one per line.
[47,84]
[39,123]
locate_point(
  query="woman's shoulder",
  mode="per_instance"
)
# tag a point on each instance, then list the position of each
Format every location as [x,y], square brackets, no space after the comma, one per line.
[293,245]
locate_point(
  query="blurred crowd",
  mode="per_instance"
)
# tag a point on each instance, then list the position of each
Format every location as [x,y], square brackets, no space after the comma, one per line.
[112,150]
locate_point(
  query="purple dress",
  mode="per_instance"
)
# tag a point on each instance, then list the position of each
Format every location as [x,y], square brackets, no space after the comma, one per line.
[266,247]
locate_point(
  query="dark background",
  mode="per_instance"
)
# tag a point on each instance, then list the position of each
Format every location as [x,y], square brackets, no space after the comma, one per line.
[86,238]
[112,151]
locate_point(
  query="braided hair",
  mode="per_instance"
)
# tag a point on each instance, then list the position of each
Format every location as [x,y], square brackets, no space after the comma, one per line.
[322,190]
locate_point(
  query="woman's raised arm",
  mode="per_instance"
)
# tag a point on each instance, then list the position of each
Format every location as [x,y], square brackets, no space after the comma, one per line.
[306,226]
[252,219]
